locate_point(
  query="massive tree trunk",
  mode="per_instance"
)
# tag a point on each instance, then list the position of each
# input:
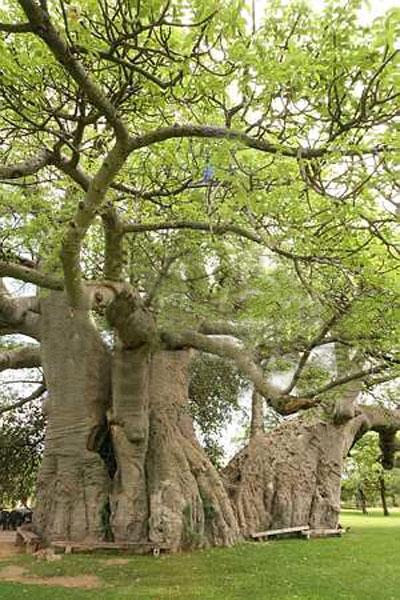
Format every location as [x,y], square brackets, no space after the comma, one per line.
[73,483]
[165,489]
[188,502]
[291,476]
[122,462]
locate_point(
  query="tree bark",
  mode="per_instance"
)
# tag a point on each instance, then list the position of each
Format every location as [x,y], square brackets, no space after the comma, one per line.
[382,491]
[291,476]
[257,414]
[149,479]
[122,461]
[73,483]
[165,489]
[129,421]
[361,500]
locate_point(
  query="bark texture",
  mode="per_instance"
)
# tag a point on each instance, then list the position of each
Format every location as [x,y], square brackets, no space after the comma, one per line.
[129,425]
[291,476]
[165,489]
[73,483]
[189,506]
[122,461]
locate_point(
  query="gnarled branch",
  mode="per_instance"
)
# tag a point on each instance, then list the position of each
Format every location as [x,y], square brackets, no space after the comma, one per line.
[16,27]
[20,358]
[34,396]
[212,132]
[282,402]
[30,275]
[30,166]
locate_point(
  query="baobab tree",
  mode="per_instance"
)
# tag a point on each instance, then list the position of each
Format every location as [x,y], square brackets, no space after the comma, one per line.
[173,183]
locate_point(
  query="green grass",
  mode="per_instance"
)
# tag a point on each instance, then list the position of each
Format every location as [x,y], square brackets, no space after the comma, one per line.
[363,565]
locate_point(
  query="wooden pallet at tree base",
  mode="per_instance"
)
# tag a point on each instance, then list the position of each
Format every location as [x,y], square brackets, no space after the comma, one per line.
[318,533]
[135,547]
[302,531]
[27,538]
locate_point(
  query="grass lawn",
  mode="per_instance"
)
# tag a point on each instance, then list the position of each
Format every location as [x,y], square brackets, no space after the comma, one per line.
[363,565]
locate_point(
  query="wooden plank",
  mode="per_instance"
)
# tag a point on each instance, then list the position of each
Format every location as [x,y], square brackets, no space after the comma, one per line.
[271,532]
[107,545]
[315,533]
[69,546]
[29,538]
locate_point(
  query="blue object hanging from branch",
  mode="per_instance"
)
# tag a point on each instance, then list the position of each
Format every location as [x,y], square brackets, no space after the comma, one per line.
[208,173]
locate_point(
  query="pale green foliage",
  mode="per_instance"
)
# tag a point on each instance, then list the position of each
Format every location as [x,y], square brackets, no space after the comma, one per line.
[302,80]
[214,392]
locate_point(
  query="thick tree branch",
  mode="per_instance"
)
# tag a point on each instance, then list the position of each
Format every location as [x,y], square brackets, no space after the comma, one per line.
[20,358]
[282,402]
[380,417]
[18,314]
[386,422]
[130,317]
[217,229]
[29,275]
[27,167]
[113,241]
[87,211]
[209,131]
[16,27]
[73,171]
[257,414]
[237,330]
[34,396]
[245,363]
[7,304]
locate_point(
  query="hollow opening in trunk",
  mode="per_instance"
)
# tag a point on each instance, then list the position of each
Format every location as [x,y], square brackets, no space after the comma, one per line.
[100,441]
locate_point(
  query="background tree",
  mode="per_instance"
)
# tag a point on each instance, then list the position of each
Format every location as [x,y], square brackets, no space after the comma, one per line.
[21,448]
[365,476]
[215,390]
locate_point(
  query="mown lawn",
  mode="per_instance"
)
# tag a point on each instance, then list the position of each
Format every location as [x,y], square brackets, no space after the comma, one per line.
[363,565]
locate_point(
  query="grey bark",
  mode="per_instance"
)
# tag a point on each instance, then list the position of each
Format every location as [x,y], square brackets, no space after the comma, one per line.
[257,414]
[129,425]
[165,489]
[73,482]
[162,488]
[158,484]
[189,506]
[291,476]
